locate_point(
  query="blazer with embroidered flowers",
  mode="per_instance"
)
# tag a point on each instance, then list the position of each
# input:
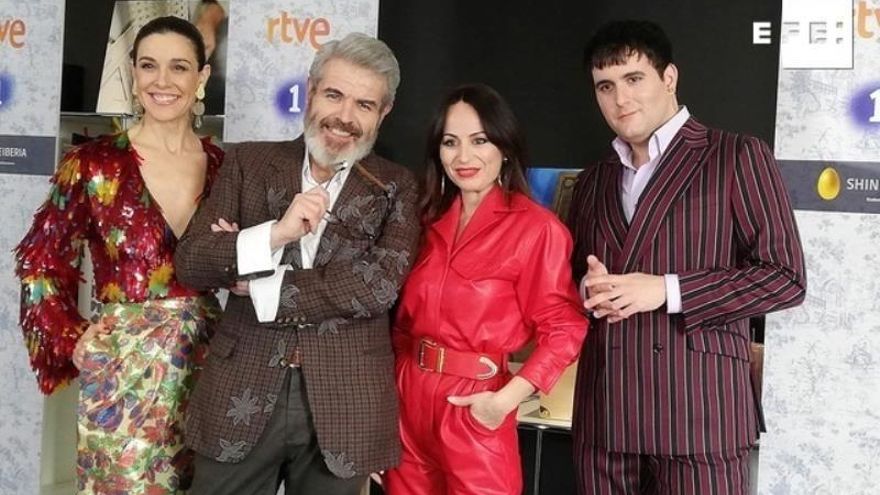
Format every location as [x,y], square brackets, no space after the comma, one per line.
[336,313]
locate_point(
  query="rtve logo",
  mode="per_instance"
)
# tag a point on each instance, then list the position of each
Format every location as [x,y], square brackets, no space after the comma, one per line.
[289,29]
[13,32]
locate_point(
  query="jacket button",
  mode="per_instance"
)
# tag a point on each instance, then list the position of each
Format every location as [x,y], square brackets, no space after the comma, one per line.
[658,348]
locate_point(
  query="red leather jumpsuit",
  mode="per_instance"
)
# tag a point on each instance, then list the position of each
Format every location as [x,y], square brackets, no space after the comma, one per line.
[505,281]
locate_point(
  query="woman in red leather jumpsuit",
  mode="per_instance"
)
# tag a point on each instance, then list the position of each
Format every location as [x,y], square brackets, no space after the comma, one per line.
[493,274]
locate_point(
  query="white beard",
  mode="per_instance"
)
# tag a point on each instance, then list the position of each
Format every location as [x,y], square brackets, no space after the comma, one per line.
[326,157]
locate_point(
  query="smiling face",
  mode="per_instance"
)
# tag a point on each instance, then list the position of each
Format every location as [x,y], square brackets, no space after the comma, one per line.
[166,75]
[469,159]
[345,109]
[635,100]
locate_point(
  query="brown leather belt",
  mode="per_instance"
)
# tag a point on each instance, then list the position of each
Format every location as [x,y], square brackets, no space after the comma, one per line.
[293,360]
[434,358]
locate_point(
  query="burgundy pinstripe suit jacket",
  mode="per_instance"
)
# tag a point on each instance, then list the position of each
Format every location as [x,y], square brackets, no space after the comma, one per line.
[336,312]
[715,212]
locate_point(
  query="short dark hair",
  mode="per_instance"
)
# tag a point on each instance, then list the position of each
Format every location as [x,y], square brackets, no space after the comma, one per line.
[171,24]
[615,41]
[502,129]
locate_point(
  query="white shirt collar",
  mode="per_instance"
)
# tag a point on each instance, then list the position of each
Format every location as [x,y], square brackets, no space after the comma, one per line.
[657,143]
[308,181]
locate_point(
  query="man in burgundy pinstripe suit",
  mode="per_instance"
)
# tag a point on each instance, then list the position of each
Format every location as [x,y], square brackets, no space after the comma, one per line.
[680,236]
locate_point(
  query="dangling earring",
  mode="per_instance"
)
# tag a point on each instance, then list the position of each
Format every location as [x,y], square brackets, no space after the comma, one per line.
[137,110]
[443,185]
[503,163]
[198,108]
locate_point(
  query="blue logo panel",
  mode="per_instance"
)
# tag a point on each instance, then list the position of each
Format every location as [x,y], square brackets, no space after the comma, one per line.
[290,99]
[6,91]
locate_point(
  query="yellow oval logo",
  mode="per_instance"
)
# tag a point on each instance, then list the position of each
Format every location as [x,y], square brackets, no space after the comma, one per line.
[828,185]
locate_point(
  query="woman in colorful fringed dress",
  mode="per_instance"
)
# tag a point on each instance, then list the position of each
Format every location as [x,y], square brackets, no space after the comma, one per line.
[128,197]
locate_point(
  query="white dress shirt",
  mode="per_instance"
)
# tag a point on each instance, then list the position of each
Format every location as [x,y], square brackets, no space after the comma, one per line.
[254,253]
[633,180]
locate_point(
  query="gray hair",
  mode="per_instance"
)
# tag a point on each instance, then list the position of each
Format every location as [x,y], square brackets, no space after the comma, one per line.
[364,51]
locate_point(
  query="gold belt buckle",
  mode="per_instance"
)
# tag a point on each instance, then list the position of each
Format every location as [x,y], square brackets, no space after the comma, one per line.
[430,344]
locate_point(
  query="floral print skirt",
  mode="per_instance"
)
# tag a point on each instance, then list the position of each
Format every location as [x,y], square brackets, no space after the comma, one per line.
[134,388]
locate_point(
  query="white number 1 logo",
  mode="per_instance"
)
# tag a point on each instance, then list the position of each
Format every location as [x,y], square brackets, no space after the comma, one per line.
[876,97]
[294,106]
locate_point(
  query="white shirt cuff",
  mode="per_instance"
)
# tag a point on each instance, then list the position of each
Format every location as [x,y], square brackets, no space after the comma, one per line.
[253,249]
[266,294]
[673,293]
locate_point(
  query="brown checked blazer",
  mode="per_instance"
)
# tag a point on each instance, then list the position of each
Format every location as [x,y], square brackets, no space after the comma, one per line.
[717,213]
[336,312]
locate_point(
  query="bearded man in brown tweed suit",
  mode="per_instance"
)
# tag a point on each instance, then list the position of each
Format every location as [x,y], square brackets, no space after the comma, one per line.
[299,384]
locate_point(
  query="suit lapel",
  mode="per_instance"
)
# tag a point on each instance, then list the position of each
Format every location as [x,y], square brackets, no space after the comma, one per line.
[285,179]
[680,163]
[609,208]
[490,211]
[356,186]
[282,184]
[361,205]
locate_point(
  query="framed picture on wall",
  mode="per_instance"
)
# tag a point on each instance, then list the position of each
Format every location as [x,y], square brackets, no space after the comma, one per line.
[552,187]
[564,188]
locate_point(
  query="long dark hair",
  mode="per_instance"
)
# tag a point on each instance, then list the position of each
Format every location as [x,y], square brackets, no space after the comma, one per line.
[502,129]
[171,24]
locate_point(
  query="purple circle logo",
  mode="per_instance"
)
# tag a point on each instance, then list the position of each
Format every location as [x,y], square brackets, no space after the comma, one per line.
[864,107]
[290,99]
[6,87]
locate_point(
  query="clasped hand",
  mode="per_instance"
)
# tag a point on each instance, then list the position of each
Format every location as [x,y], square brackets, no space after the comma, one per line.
[618,297]
[302,216]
